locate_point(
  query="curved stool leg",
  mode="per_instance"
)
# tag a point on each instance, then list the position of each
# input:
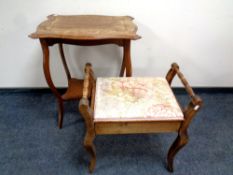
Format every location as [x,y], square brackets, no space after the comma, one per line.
[88,144]
[180,142]
[90,130]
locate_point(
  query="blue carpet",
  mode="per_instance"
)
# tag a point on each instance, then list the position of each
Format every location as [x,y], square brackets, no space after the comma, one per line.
[31,143]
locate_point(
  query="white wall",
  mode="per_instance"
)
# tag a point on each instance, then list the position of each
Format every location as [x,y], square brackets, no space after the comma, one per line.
[198,34]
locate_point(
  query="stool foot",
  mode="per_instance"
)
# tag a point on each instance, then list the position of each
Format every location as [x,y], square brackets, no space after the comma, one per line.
[180,142]
[90,147]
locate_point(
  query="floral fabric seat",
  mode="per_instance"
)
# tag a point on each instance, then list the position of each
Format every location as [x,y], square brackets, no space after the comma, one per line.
[135,99]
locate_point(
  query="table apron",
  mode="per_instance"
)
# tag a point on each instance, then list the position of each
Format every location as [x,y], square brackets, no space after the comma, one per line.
[52,41]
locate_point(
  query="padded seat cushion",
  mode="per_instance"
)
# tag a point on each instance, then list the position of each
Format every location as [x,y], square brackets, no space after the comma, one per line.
[135,99]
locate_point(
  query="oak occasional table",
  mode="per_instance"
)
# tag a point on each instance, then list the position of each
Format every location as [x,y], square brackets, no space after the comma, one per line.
[83,30]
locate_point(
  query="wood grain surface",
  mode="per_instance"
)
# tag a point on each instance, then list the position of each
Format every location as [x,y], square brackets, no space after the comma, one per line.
[87,27]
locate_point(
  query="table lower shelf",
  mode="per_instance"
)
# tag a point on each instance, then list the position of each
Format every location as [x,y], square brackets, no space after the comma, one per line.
[74,90]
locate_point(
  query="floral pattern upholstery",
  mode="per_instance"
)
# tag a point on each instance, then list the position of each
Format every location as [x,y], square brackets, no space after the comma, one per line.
[135,99]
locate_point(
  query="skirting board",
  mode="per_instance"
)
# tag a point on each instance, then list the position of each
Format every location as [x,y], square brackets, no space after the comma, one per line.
[177,90]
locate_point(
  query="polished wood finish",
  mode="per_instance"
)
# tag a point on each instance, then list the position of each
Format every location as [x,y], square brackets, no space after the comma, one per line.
[74,90]
[83,30]
[64,61]
[48,78]
[87,113]
[189,112]
[126,63]
[136,127]
[94,128]
[87,27]
[90,132]
[52,41]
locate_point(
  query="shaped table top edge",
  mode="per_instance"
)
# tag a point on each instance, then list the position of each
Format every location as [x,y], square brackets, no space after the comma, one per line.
[43,35]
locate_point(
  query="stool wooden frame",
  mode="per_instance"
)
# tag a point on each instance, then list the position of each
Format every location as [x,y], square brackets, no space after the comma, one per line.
[86,107]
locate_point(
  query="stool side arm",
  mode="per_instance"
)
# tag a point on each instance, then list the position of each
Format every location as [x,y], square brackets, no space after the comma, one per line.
[87,113]
[84,105]
[174,70]
[189,112]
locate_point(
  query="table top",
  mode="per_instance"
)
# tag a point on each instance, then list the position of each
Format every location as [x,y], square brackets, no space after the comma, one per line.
[87,27]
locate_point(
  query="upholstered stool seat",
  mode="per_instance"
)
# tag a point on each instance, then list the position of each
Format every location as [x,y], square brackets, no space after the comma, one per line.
[130,105]
[135,99]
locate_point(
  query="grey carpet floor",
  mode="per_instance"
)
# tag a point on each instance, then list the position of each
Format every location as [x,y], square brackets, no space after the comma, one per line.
[31,143]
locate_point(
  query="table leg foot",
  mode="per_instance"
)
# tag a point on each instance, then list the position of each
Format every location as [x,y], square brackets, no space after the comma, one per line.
[60,113]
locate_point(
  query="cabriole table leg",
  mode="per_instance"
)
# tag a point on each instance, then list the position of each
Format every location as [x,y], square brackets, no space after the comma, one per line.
[46,68]
[126,62]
